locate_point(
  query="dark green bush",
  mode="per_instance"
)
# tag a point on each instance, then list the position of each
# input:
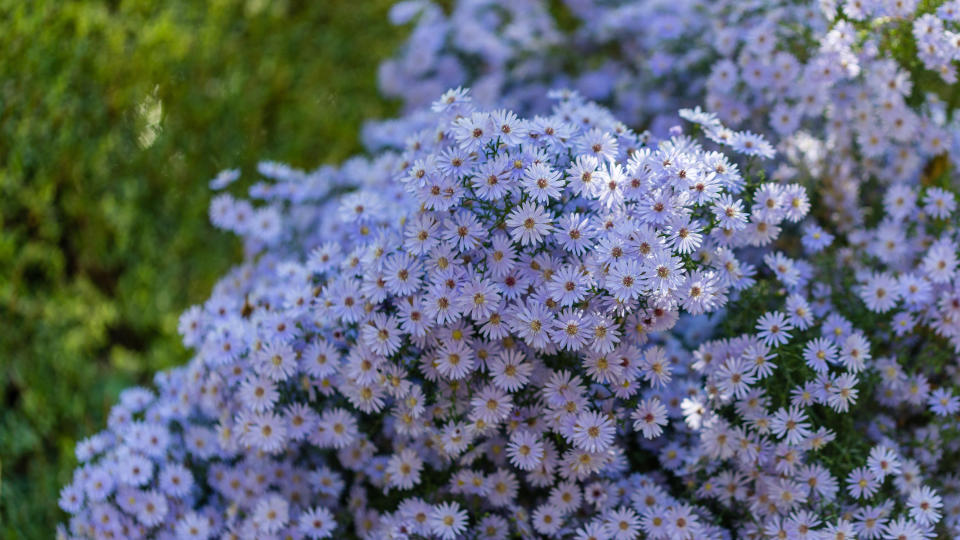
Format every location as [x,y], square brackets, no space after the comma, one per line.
[113,117]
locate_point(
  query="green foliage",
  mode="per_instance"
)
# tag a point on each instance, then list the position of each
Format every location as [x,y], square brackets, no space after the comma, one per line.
[113,116]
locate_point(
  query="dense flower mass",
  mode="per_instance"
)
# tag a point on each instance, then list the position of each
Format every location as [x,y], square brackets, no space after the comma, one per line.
[480,307]
[528,315]
[837,83]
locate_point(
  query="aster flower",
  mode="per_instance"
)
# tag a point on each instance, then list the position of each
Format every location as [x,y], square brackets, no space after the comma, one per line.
[815,239]
[575,234]
[880,292]
[474,131]
[752,144]
[598,144]
[547,519]
[791,425]
[843,392]
[316,523]
[854,352]
[663,273]
[271,514]
[940,262]
[192,526]
[654,366]
[593,431]
[682,522]
[626,279]
[541,182]
[491,405]
[568,286]
[447,520]
[529,223]
[729,212]
[403,470]
[942,402]
[455,360]
[532,323]
[509,128]
[939,203]
[819,353]
[525,450]
[649,418]
[924,505]
[904,528]
[774,329]
[735,377]
[882,461]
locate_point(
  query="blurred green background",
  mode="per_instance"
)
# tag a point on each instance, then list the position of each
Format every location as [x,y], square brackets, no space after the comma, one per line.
[113,117]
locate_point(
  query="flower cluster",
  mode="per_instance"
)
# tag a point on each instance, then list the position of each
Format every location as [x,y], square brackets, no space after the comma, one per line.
[479,310]
[838,84]
[847,105]
[512,53]
[907,264]
[529,315]
[868,351]
[494,46]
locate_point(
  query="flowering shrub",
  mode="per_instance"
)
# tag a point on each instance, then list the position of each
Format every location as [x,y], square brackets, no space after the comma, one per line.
[837,83]
[478,310]
[548,324]
[512,53]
